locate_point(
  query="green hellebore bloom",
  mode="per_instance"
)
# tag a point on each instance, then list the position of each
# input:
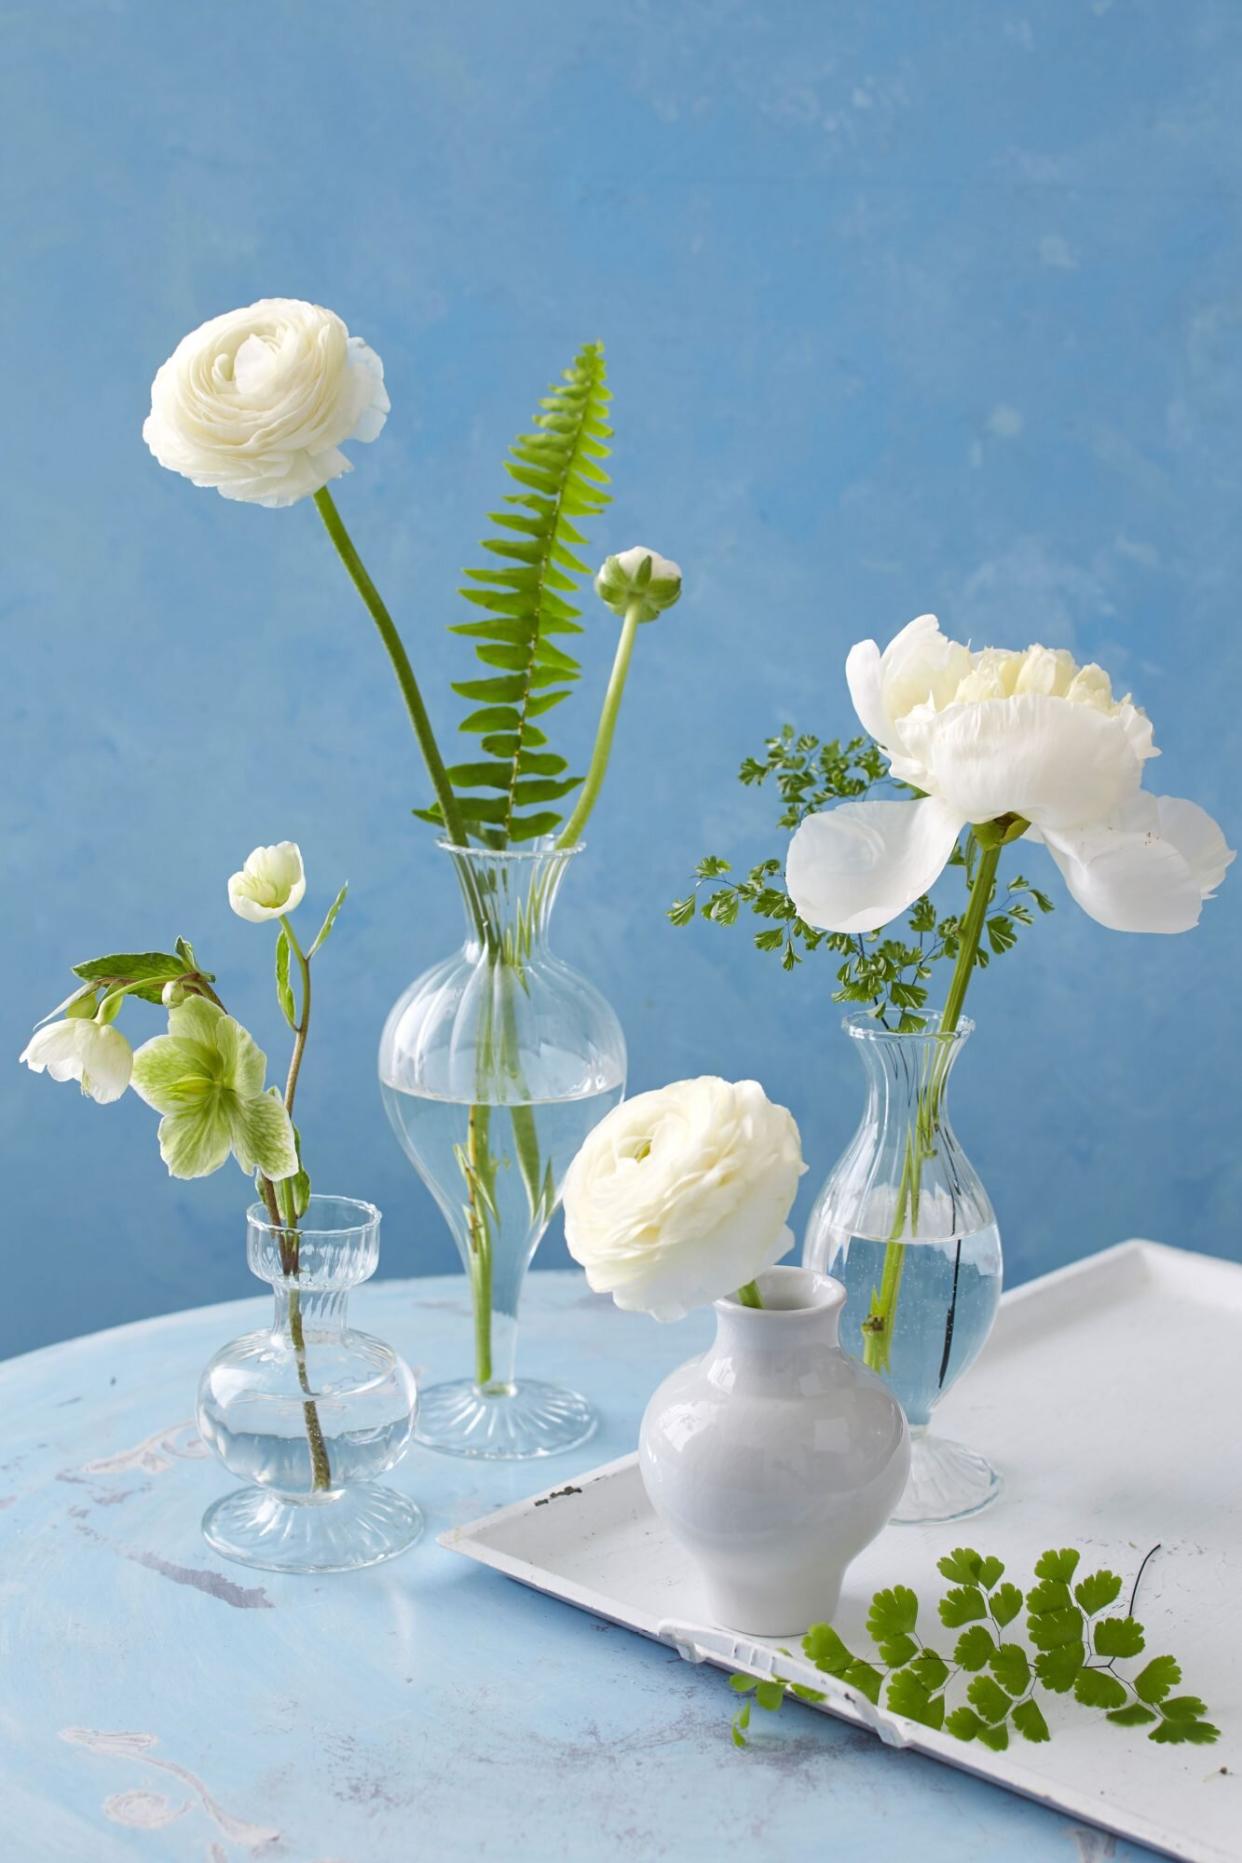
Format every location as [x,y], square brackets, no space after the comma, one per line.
[206,1077]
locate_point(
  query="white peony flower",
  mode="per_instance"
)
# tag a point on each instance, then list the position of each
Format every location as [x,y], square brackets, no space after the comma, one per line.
[258,402]
[1032,736]
[94,1053]
[680,1197]
[625,579]
[271,883]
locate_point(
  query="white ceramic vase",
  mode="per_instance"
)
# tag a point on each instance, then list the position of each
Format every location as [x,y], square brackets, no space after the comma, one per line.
[775,1458]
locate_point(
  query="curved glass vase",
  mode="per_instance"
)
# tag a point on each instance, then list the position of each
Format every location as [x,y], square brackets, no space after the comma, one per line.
[905,1224]
[309,1412]
[494,1066]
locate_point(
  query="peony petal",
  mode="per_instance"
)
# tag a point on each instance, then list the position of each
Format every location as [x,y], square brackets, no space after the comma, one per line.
[864,678]
[262,1135]
[1148,869]
[1057,763]
[855,867]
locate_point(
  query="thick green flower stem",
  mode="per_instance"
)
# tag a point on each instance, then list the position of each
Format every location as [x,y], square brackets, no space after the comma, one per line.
[750,1295]
[571,834]
[445,795]
[877,1328]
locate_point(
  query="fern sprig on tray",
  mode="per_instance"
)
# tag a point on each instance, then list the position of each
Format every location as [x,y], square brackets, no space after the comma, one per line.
[526,612]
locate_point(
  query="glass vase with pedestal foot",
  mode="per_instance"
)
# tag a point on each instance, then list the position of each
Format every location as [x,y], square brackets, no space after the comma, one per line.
[494,1066]
[307,1411]
[906,1225]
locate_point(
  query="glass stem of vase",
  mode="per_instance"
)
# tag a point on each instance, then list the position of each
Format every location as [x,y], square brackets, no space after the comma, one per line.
[920,1142]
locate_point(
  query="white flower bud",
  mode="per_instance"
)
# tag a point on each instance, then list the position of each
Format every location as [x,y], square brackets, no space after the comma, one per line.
[639,575]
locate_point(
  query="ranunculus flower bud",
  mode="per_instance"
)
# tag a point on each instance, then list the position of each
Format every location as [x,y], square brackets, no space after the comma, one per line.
[680,1197]
[639,575]
[272,882]
[258,402]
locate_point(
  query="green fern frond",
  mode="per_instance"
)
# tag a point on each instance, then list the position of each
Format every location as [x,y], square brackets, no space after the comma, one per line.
[522,597]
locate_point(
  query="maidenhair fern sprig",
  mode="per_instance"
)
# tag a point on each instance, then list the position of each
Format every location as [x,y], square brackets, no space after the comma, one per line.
[889,973]
[1073,1649]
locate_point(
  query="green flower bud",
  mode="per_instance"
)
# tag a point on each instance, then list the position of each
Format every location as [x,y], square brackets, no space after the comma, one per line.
[639,575]
[175,991]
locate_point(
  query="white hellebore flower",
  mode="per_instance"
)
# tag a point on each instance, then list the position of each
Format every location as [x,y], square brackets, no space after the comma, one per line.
[94,1053]
[626,579]
[271,883]
[680,1197]
[1030,740]
[258,402]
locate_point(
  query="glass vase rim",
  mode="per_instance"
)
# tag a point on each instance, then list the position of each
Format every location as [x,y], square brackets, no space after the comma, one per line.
[259,1217]
[862,1026]
[514,854]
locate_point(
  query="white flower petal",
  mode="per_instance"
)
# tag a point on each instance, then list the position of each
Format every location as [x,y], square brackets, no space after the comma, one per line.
[1055,762]
[271,883]
[1148,869]
[855,867]
[864,677]
[94,1053]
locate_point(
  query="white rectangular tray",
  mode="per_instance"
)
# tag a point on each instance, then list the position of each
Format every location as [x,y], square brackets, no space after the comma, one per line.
[1110,1396]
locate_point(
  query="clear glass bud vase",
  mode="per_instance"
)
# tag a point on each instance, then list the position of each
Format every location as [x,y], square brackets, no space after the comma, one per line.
[905,1224]
[494,1066]
[307,1411]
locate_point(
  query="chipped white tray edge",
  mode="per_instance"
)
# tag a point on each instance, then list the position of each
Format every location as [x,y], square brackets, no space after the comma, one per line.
[724,1650]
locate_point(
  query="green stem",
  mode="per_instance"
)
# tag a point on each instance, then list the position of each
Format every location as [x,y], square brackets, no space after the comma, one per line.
[301,1027]
[877,1328]
[454,824]
[571,834]
[750,1295]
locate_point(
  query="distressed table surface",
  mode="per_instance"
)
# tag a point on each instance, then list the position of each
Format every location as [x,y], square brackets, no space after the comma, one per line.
[159,1703]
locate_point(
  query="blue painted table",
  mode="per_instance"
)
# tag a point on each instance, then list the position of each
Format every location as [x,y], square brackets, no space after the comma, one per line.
[158,1703]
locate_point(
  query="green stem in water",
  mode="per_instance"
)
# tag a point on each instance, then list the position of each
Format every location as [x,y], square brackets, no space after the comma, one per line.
[454,824]
[571,834]
[877,1328]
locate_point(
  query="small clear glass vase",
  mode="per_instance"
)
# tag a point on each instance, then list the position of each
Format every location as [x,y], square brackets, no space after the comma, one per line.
[906,1225]
[494,1066]
[307,1411]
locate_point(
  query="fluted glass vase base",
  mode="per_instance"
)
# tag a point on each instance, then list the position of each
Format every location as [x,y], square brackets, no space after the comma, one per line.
[947,1482]
[518,1423]
[357,1526]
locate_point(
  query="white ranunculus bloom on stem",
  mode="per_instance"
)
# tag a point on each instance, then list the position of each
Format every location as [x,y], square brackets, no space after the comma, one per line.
[94,1053]
[1030,742]
[271,883]
[258,403]
[681,1196]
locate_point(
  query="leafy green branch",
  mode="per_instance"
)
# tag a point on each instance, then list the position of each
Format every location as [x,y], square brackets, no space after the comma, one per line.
[522,599]
[887,971]
[1073,1649]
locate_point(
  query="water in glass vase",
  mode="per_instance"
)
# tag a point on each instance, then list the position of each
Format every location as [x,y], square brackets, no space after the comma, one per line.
[496,1172]
[950,1290]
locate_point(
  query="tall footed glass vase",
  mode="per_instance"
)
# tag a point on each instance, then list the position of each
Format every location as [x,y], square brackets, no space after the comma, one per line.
[904,1222]
[494,1066]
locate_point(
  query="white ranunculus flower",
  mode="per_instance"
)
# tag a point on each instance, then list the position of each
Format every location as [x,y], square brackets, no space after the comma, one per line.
[993,734]
[621,582]
[94,1053]
[258,402]
[271,883]
[680,1197]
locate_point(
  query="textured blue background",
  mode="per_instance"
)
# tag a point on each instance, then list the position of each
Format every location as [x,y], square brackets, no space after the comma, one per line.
[907,307]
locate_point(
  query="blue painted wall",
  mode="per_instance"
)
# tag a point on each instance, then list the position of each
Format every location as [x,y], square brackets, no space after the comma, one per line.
[907,307]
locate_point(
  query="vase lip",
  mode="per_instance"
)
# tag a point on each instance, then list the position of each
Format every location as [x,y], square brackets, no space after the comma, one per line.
[538,852]
[798,1291]
[368,1217]
[862,1026]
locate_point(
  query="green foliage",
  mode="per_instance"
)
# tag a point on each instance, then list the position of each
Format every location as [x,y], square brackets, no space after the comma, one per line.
[325,930]
[522,601]
[1001,1694]
[142,973]
[886,970]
